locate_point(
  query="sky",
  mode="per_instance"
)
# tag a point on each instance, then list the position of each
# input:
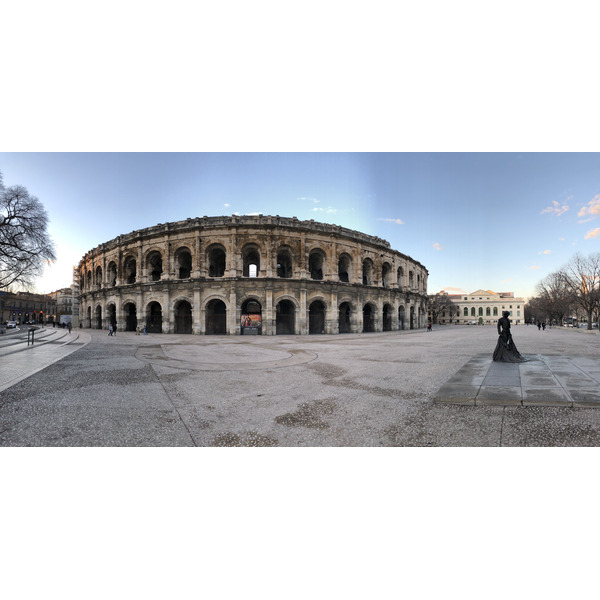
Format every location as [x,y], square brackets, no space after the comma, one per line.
[497,221]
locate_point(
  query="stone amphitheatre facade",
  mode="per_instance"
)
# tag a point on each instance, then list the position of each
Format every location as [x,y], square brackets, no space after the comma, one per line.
[245,275]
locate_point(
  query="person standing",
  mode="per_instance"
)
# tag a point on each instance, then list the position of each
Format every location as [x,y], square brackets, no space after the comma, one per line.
[115,329]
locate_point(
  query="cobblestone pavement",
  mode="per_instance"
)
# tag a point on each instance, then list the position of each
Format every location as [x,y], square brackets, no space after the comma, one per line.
[380,389]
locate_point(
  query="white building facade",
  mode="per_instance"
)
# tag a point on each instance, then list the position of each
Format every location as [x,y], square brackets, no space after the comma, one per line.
[483,307]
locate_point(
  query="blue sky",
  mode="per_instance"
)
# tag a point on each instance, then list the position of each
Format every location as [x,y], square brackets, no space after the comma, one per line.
[499,221]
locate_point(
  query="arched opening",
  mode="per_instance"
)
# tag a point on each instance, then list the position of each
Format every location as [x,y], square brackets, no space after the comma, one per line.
[216,318]
[285,318]
[111,310]
[130,269]
[344,325]
[284,263]
[368,319]
[316,262]
[344,263]
[98,318]
[183,317]
[251,318]
[183,263]
[401,317]
[386,271]
[88,279]
[411,280]
[154,266]
[112,274]
[89,318]
[130,312]
[316,317]
[400,276]
[367,271]
[251,261]
[98,276]
[216,261]
[412,317]
[387,317]
[154,318]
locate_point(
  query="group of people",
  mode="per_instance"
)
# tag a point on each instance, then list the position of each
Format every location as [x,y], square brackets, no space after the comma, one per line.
[112,330]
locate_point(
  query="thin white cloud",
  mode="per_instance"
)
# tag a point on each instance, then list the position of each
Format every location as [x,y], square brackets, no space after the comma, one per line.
[438,246]
[328,210]
[591,210]
[594,233]
[226,205]
[534,267]
[308,199]
[397,221]
[546,252]
[556,209]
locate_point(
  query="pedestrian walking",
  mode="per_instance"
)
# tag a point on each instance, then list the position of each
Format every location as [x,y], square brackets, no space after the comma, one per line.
[110,330]
[69,326]
[539,326]
[429,327]
[145,332]
[137,331]
[544,326]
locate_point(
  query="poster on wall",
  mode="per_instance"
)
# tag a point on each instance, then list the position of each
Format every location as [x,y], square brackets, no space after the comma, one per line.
[251,324]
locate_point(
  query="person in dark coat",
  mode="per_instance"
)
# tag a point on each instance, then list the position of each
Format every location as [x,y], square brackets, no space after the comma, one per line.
[506,351]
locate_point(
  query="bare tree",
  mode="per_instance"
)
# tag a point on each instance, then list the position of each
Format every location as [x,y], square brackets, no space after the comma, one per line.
[555,298]
[25,245]
[436,304]
[582,278]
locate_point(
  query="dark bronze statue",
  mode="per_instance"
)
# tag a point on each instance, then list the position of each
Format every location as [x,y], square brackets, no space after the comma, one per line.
[506,351]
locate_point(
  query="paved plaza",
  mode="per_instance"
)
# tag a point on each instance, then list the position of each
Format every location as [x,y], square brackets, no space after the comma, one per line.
[409,388]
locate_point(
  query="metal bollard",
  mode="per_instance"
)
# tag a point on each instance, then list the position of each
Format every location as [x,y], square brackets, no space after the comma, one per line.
[30,334]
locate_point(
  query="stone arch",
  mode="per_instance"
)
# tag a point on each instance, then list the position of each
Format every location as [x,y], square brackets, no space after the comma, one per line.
[316,316]
[401,317]
[98,317]
[111,313]
[387,317]
[112,273]
[182,315]
[367,271]
[285,262]
[154,317]
[215,317]
[411,280]
[412,317]
[369,311]
[251,315]
[98,276]
[400,276]
[386,274]
[183,262]
[130,269]
[88,279]
[251,260]
[216,259]
[317,259]
[130,315]
[154,265]
[286,308]
[345,310]
[89,317]
[345,267]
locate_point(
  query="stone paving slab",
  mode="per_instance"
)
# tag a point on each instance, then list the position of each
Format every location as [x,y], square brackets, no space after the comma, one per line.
[544,380]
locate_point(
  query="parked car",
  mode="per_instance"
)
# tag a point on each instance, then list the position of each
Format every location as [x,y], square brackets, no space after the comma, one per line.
[11,325]
[472,323]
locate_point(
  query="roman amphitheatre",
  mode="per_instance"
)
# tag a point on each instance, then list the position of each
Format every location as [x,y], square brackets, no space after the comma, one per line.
[251,275]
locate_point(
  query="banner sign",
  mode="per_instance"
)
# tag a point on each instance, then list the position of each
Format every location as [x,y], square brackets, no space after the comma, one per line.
[251,324]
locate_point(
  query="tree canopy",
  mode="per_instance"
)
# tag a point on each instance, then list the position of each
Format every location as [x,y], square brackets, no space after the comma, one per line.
[25,245]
